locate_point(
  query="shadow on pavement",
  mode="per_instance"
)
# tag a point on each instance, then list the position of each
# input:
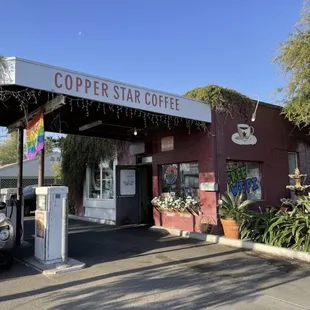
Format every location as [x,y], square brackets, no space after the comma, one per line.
[188,286]
[96,243]
[188,282]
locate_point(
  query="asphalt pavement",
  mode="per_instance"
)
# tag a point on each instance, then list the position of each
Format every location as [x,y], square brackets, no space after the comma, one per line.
[133,268]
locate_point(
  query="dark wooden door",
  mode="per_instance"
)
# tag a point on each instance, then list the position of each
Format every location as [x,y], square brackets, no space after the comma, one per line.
[127,195]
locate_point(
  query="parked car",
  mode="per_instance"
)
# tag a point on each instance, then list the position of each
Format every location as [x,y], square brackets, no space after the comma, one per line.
[6,239]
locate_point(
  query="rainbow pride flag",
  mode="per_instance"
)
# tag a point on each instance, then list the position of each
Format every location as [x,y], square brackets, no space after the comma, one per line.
[35,135]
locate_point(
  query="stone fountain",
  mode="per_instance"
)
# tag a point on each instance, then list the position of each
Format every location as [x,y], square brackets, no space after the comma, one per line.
[299,189]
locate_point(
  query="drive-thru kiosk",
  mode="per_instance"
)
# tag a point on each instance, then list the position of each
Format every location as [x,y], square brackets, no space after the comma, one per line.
[51,224]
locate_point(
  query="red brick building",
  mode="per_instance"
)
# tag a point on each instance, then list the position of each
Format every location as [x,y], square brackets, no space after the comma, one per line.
[259,167]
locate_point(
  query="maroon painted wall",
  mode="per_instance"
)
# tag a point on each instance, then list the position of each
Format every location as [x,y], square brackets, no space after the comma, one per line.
[274,141]
[275,138]
[188,147]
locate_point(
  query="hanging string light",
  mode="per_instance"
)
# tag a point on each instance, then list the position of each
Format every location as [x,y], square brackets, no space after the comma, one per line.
[28,97]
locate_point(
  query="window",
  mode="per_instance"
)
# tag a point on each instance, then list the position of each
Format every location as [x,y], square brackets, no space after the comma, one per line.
[58,159]
[181,179]
[52,159]
[100,181]
[292,165]
[244,177]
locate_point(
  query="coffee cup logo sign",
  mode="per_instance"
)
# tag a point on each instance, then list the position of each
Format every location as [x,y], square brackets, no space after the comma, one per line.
[244,135]
[171,175]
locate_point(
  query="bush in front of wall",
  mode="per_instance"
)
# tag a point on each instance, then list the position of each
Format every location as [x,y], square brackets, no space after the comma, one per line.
[255,223]
[291,229]
[280,227]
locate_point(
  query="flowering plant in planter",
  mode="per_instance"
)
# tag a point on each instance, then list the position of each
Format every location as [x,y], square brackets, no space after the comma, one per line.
[177,204]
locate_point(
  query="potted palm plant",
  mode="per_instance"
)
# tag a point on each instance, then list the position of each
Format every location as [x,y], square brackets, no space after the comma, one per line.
[231,210]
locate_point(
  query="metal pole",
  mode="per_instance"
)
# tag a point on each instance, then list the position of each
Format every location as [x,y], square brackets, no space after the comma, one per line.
[20,161]
[41,168]
[64,235]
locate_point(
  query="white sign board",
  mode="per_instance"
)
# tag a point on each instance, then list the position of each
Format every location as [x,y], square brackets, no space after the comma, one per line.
[127,182]
[62,81]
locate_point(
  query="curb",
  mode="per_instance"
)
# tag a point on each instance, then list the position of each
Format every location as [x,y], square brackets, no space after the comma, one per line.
[247,245]
[91,219]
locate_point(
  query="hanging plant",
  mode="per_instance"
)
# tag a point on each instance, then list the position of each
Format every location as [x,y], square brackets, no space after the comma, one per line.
[223,100]
[77,153]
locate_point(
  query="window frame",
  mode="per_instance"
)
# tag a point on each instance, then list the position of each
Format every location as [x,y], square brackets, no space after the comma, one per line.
[291,181]
[160,174]
[261,178]
[88,182]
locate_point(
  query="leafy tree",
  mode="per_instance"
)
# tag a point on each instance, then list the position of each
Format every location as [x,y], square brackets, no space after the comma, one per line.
[77,153]
[294,60]
[57,172]
[51,144]
[8,148]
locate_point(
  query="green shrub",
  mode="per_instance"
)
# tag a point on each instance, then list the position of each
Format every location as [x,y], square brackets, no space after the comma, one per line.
[287,229]
[255,223]
[291,229]
[233,207]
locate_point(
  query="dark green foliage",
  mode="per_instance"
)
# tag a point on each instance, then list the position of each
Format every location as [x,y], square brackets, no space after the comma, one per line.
[222,99]
[287,229]
[291,229]
[255,223]
[232,207]
[77,153]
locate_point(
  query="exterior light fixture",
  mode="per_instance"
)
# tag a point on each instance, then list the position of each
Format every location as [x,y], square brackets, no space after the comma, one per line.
[253,118]
[135,132]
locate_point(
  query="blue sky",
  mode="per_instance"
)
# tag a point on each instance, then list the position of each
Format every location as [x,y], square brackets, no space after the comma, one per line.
[170,45]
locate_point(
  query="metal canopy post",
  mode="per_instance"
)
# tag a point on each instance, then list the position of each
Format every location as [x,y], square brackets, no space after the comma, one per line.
[20,161]
[19,202]
[41,168]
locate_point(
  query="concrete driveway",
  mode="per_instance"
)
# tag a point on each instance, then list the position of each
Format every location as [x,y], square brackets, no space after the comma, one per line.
[132,268]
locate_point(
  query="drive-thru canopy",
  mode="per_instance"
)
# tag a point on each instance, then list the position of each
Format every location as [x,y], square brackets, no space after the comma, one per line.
[77,103]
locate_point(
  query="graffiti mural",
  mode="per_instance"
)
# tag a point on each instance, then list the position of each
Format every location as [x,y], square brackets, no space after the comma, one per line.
[244,178]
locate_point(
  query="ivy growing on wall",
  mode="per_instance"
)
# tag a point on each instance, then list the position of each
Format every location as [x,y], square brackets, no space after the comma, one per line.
[223,100]
[77,153]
